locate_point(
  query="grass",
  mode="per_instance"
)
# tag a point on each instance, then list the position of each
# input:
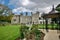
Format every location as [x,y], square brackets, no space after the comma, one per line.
[41,26]
[9,32]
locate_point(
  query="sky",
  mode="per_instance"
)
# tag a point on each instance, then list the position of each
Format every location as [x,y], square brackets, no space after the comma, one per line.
[18,6]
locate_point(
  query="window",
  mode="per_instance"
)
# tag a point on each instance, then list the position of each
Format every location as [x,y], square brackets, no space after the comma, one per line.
[14,19]
[39,18]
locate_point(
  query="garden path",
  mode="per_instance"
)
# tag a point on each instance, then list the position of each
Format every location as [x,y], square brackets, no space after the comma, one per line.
[51,34]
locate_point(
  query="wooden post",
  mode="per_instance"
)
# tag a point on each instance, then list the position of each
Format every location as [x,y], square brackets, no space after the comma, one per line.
[52,23]
[59,23]
[46,24]
[43,23]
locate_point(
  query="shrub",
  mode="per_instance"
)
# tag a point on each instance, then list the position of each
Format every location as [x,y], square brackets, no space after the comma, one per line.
[23,31]
[33,33]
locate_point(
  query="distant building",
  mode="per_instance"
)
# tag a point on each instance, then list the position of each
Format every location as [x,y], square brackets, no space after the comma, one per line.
[21,19]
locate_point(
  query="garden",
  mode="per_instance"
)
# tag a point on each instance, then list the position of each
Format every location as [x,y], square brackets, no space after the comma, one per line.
[16,32]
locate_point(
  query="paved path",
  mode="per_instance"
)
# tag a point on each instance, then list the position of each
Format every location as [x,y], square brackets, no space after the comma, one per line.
[51,35]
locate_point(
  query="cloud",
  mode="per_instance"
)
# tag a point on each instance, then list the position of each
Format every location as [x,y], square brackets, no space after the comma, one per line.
[41,10]
[23,3]
[28,3]
[20,9]
[46,9]
[42,5]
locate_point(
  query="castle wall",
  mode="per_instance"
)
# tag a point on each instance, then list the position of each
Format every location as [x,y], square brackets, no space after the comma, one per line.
[35,18]
[15,19]
[25,19]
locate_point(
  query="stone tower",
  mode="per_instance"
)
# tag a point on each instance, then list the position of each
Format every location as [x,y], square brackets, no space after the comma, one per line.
[35,18]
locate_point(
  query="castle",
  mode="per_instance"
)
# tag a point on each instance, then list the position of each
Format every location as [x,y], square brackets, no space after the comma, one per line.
[21,19]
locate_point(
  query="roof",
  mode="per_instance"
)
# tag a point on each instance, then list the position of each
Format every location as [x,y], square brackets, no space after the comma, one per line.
[53,15]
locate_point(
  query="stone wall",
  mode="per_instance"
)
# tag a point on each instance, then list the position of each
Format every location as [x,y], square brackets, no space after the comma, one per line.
[15,19]
[35,18]
[25,19]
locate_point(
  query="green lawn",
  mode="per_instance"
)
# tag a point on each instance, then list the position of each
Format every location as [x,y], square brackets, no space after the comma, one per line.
[41,26]
[9,32]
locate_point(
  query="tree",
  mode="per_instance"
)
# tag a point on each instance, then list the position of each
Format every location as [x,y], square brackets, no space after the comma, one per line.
[5,13]
[58,8]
